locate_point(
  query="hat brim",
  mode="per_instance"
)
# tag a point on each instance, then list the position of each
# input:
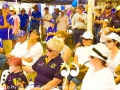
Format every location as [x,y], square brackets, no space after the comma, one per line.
[86,37]
[92,53]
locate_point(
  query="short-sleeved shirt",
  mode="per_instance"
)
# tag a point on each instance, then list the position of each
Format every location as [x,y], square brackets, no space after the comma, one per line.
[1,43]
[50,29]
[23,19]
[99,80]
[6,33]
[47,71]
[36,15]
[16,21]
[13,78]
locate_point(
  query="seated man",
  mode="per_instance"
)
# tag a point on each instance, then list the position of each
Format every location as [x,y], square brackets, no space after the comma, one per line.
[19,48]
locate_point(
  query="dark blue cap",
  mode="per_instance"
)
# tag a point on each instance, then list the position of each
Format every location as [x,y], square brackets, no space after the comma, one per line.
[5,5]
[52,21]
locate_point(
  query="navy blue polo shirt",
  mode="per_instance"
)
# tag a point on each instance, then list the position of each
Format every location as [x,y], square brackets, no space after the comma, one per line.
[47,71]
[115,21]
[1,43]
[50,29]
[36,14]
[23,19]
[13,78]
[6,33]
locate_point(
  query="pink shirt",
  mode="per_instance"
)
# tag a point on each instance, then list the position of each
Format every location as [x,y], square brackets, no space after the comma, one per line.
[16,21]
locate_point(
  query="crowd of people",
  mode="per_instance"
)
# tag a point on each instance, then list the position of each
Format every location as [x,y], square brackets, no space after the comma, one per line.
[98,51]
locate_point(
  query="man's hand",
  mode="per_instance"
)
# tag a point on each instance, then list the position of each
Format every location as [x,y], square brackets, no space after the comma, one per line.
[80,19]
[9,55]
[36,88]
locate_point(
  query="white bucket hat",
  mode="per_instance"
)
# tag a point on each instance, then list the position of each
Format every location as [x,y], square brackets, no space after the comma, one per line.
[87,35]
[100,51]
[113,36]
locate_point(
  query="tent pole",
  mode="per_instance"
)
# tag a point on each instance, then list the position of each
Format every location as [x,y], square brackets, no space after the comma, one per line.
[90,10]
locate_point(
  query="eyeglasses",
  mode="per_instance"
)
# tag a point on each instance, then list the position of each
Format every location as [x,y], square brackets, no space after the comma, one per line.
[92,57]
[109,41]
[50,50]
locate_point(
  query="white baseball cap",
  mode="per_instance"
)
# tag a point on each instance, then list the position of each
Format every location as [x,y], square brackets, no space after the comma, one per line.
[106,20]
[87,35]
[100,51]
[113,36]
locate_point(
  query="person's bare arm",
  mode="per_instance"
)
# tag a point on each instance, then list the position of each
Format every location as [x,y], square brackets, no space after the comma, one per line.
[28,69]
[8,55]
[1,50]
[67,55]
[27,59]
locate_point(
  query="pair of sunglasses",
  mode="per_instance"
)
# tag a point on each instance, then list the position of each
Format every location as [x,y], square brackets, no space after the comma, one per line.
[109,41]
[92,57]
[50,50]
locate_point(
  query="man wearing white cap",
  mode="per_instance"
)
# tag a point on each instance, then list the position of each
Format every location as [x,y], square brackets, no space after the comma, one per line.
[98,77]
[113,44]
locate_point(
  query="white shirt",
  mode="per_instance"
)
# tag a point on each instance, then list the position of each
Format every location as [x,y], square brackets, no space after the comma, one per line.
[102,37]
[100,80]
[112,64]
[76,23]
[19,49]
[83,56]
[63,22]
[47,17]
[35,52]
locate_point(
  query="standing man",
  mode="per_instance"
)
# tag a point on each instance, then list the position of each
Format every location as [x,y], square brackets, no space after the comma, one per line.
[62,21]
[24,18]
[55,14]
[36,17]
[6,25]
[46,19]
[79,23]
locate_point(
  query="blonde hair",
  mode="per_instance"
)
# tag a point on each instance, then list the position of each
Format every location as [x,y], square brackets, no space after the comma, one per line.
[57,43]
[62,33]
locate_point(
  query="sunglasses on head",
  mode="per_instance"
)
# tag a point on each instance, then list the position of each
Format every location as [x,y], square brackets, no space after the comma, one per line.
[50,50]
[109,41]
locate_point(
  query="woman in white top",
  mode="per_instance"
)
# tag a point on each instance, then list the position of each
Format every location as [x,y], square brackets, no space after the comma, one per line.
[98,77]
[34,49]
[80,58]
[65,52]
[113,43]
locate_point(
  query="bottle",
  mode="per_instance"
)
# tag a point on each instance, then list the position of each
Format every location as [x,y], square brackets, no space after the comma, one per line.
[31,84]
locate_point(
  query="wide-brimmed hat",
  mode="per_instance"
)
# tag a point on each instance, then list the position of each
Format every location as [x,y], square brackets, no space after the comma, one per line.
[87,35]
[21,33]
[100,51]
[108,7]
[113,36]
[35,6]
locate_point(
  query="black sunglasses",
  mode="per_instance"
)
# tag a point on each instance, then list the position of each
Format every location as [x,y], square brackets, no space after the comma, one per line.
[92,57]
[109,41]
[50,50]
